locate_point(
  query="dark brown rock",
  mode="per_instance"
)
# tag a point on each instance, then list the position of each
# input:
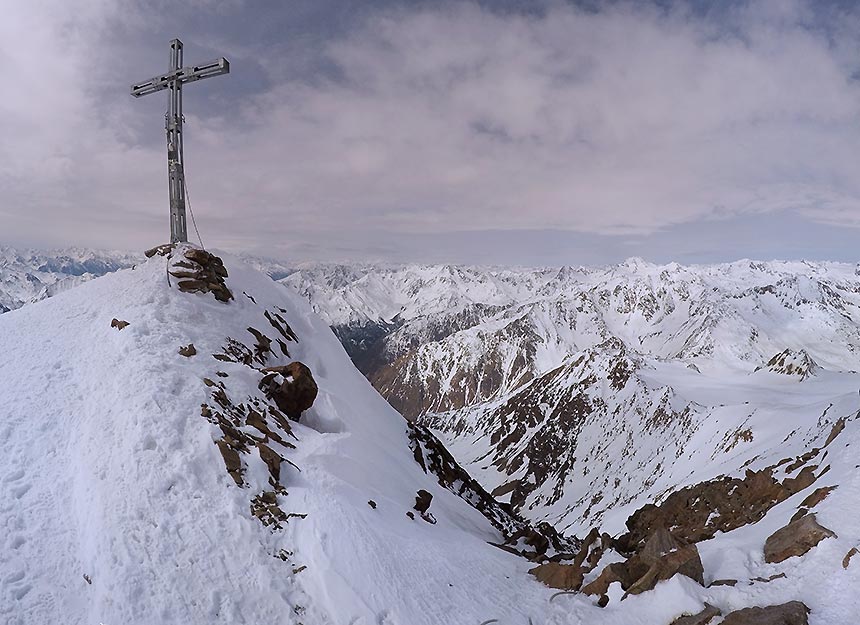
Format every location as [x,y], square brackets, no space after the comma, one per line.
[795,539]
[791,613]
[422,505]
[698,512]
[193,286]
[272,459]
[661,558]
[723,582]
[802,512]
[847,559]
[684,561]
[292,387]
[615,572]
[561,576]
[422,501]
[265,507]
[231,460]
[188,350]
[702,618]
[201,257]
[817,496]
[118,324]
[766,580]
[835,431]
[160,250]
[804,479]
[201,272]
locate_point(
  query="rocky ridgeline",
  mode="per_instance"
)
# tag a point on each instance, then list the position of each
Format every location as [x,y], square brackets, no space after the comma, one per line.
[258,426]
[538,543]
[661,539]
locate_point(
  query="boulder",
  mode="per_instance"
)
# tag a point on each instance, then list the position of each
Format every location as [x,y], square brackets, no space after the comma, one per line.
[795,539]
[663,557]
[422,505]
[292,387]
[188,350]
[615,572]
[561,576]
[684,561]
[422,501]
[791,613]
[660,559]
[702,618]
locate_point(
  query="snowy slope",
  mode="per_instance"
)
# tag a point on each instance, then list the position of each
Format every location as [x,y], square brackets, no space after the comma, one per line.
[114,468]
[110,471]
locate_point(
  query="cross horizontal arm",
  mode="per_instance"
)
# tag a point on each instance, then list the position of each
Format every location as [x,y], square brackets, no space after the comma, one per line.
[183,75]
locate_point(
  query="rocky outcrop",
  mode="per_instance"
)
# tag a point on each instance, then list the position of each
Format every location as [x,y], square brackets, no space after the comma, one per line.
[795,539]
[698,512]
[201,272]
[791,613]
[538,542]
[661,558]
[292,387]
[797,364]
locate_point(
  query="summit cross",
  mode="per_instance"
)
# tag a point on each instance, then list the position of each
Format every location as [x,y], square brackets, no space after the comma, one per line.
[173,80]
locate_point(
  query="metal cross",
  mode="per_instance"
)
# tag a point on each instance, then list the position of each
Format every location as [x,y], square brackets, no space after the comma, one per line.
[173,80]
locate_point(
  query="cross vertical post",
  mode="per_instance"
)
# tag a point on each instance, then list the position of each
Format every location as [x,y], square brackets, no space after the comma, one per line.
[176,76]
[175,171]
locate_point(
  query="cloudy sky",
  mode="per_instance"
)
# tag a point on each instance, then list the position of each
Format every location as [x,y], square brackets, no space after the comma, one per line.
[507,132]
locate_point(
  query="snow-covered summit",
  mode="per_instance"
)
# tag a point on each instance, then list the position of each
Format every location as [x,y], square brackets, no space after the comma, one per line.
[122,448]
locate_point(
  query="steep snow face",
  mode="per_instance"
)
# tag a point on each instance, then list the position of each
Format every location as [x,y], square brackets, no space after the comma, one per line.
[30,275]
[581,394]
[120,499]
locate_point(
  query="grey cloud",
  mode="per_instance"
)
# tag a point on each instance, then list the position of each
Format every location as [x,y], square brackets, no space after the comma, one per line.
[401,130]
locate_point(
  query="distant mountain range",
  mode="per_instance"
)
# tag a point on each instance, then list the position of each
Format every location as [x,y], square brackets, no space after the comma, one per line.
[577,393]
